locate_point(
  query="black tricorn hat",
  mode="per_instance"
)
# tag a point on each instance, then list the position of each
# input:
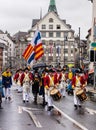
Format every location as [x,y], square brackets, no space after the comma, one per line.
[77,71]
[26,69]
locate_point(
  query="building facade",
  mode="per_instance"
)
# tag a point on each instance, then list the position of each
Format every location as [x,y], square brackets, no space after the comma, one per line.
[9,51]
[21,42]
[57,38]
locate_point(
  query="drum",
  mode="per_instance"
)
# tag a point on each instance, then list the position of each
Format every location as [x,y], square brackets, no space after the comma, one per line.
[81,95]
[56,95]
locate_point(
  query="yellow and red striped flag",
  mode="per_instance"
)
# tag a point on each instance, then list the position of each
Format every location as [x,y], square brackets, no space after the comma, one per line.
[35,49]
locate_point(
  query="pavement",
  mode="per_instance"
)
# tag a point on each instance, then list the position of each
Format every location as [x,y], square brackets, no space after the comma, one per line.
[91,92]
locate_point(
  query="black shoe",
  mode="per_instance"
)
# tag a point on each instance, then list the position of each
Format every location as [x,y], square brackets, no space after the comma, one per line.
[76,107]
[80,106]
[1,107]
[9,98]
[23,101]
[50,108]
[35,102]
[44,104]
[5,98]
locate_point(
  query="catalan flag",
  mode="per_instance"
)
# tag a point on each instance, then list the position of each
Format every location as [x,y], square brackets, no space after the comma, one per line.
[35,49]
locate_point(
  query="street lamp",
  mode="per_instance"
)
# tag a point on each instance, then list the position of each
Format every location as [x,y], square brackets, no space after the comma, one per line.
[65,39]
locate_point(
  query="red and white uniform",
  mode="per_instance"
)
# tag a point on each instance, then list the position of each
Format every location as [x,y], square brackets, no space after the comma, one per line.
[77,83]
[17,78]
[49,84]
[25,80]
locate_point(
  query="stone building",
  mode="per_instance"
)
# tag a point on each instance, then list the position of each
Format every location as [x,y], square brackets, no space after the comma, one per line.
[9,52]
[20,40]
[3,51]
[57,38]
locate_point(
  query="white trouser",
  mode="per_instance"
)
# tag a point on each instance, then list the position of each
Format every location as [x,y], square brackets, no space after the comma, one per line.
[7,92]
[26,91]
[48,97]
[76,99]
[62,91]
[62,88]
[19,88]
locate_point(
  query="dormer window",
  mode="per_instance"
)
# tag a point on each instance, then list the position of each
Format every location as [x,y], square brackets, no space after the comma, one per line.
[58,26]
[51,20]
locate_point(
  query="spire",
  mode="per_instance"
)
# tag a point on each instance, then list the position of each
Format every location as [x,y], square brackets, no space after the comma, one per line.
[52,6]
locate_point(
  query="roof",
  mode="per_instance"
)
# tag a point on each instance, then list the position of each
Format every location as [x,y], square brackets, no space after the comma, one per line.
[35,21]
[1,32]
[19,35]
[52,7]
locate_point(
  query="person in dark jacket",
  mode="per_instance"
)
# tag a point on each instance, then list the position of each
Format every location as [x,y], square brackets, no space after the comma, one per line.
[42,89]
[35,86]
[7,82]
[0,93]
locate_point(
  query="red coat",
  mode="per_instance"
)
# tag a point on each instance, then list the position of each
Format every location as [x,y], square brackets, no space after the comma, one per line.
[82,81]
[55,78]
[16,76]
[59,77]
[23,76]
[46,81]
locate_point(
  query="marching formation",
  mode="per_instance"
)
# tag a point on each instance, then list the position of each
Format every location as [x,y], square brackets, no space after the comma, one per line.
[52,84]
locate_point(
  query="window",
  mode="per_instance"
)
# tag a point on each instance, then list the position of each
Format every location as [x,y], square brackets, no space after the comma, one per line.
[58,34]
[43,26]
[71,51]
[58,26]
[50,26]
[65,35]
[51,20]
[50,34]
[66,50]
[43,34]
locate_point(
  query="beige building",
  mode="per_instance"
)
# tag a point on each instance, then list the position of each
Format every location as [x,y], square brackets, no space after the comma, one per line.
[20,44]
[57,38]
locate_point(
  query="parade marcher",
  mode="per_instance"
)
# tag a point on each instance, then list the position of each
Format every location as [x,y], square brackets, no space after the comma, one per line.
[7,82]
[63,84]
[78,83]
[35,86]
[49,85]
[26,79]
[1,93]
[85,76]
[70,75]
[17,78]
[42,88]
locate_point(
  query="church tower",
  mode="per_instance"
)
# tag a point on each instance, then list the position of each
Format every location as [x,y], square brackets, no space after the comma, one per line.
[52,7]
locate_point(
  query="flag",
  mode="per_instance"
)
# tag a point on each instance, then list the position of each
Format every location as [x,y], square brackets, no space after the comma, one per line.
[34,50]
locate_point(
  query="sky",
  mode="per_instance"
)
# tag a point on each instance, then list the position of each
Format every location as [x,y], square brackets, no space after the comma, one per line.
[17,15]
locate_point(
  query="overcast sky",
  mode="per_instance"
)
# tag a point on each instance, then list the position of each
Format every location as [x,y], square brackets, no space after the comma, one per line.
[17,15]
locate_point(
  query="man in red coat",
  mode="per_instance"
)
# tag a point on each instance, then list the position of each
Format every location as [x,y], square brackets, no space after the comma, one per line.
[77,84]
[17,78]
[49,84]
[26,79]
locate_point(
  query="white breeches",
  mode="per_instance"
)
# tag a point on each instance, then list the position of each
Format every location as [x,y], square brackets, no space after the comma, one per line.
[76,99]
[48,97]
[26,91]
[7,92]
